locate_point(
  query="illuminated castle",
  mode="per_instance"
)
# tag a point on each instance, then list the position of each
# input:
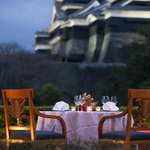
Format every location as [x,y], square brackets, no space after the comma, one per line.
[93,30]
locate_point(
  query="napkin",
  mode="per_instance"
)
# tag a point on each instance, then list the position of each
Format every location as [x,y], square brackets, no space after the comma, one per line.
[110,106]
[61,105]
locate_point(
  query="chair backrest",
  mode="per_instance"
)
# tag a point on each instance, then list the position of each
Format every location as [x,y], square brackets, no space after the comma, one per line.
[14,102]
[142,98]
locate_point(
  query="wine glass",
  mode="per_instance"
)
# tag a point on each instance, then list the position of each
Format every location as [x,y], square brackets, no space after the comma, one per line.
[105,99]
[81,101]
[114,99]
[77,101]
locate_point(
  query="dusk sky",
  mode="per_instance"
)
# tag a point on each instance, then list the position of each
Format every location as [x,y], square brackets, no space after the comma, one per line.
[20,19]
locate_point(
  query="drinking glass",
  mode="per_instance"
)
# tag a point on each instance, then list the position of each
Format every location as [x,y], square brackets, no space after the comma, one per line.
[81,101]
[114,99]
[105,99]
[77,101]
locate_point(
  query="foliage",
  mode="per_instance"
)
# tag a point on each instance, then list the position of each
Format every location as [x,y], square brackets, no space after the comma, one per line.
[145,32]
[26,111]
[37,145]
[2,133]
[145,84]
[11,48]
[135,112]
[115,85]
[51,145]
[136,74]
[48,95]
[47,108]
[2,117]
[138,70]
[21,69]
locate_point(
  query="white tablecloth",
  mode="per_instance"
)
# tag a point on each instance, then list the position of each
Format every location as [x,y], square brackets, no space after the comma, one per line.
[81,126]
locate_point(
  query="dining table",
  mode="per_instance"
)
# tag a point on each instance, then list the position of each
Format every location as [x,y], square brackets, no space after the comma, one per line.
[81,126]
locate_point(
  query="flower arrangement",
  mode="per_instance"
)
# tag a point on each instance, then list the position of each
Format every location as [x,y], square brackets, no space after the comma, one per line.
[88,100]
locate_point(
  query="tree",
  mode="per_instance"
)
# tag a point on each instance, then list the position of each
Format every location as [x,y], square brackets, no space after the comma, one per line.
[138,67]
[136,74]
[11,48]
[115,85]
[48,95]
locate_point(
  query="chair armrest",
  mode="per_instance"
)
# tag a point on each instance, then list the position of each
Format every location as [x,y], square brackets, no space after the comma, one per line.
[100,125]
[64,131]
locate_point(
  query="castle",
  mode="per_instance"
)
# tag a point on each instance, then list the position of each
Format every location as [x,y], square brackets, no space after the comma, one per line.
[93,30]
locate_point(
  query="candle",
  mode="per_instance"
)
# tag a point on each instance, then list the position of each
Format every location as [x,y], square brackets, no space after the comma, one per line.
[98,108]
[89,108]
[73,108]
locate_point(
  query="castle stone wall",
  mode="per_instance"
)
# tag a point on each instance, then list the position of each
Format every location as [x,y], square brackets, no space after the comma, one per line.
[119,48]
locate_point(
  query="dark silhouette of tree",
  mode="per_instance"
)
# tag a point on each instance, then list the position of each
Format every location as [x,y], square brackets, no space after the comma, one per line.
[11,48]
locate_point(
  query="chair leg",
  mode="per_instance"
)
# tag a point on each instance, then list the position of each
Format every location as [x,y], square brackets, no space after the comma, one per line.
[7,145]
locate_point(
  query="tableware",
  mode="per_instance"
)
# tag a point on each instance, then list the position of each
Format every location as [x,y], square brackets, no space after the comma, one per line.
[61,105]
[105,99]
[98,108]
[81,102]
[114,99]
[77,101]
[110,106]
[89,108]
[73,108]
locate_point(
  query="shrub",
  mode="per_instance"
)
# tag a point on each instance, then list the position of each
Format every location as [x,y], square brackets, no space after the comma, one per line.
[114,84]
[26,111]
[48,95]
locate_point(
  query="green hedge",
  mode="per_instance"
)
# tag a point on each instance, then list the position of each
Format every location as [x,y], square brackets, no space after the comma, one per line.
[135,113]
[44,108]
[26,110]
[2,117]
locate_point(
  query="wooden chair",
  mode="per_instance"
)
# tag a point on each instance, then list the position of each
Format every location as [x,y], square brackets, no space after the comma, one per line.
[14,102]
[133,134]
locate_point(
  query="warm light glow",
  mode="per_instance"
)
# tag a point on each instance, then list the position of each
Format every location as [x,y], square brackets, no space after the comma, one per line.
[73,108]
[17,141]
[98,108]
[89,108]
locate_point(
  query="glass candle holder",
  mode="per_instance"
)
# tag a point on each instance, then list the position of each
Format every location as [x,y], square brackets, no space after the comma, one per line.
[89,108]
[97,108]
[73,108]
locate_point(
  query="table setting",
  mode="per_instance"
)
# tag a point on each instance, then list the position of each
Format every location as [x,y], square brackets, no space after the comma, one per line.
[84,102]
[61,106]
[82,123]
